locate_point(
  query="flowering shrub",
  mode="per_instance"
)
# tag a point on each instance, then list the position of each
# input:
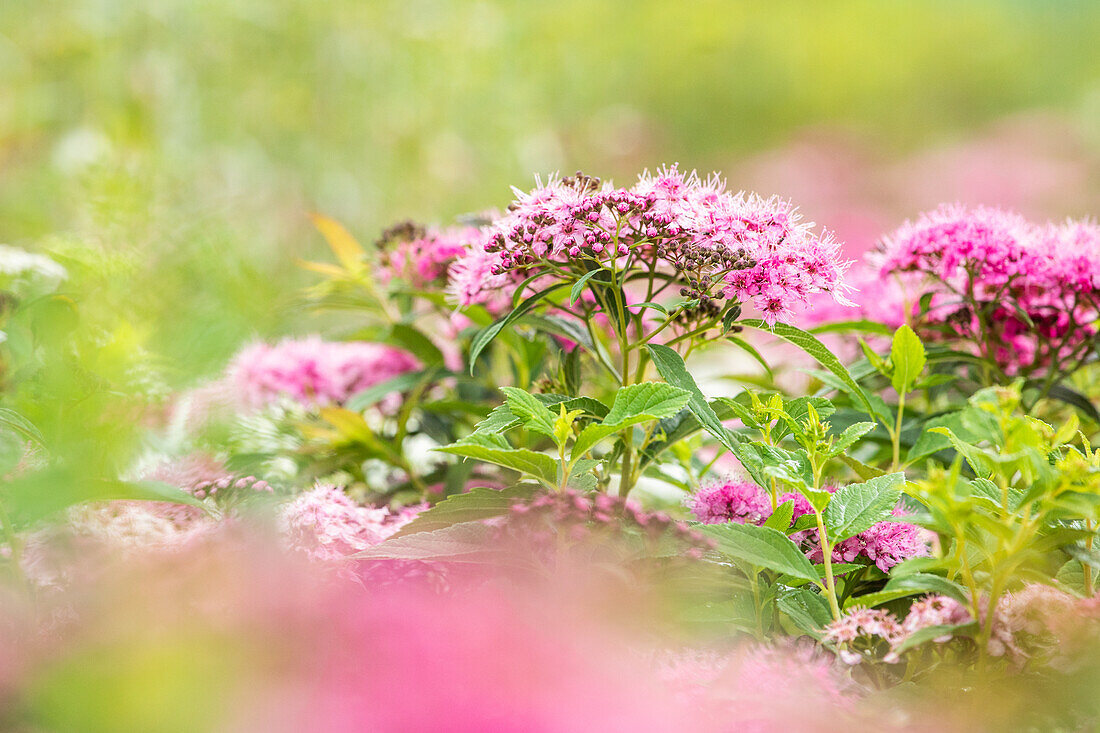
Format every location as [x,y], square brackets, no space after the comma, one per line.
[509,465]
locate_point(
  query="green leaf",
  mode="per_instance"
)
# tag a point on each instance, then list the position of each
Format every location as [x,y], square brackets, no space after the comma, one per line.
[781,517]
[808,343]
[468,542]
[763,461]
[863,326]
[416,343]
[486,335]
[907,356]
[578,287]
[596,432]
[861,469]
[762,547]
[539,465]
[654,400]
[475,504]
[671,366]
[589,405]
[858,507]
[498,421]
[808,610]
[928,583]
[934,632]
[581,477]
[974,456]
[532,413]
[850,435]
[880,365]
[648,304]
[634,404]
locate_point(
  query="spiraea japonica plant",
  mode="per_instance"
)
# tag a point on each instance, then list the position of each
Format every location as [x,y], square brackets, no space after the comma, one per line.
[523,393]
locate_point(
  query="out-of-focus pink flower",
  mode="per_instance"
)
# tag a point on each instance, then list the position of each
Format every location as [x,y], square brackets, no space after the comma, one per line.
[593,518]
[421,257]
[327,524]
[764,687]
[313,371]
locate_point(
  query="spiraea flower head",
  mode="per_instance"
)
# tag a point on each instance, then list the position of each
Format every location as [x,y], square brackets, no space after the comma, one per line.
[314,372]
[1023,295]
[716,245]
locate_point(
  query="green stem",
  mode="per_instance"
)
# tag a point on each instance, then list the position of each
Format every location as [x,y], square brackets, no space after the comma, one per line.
[827,552]
[896,436]
[1085,567]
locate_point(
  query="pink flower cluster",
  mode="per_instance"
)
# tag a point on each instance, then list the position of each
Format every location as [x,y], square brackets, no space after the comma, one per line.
[582,516]
[1035,621]
[1021,294]
[885,544]
[313,371]
[865,633]
[718,244]
[327,524]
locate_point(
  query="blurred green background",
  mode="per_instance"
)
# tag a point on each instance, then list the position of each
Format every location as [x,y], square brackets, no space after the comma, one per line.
[170,149]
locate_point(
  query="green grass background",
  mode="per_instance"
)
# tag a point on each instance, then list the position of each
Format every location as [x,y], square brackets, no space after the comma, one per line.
[171,148]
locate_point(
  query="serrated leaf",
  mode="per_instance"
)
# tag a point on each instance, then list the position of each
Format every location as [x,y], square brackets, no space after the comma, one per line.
[538,465]
[591,406]
[581,477]
[762,547]
[763,461]
[850,435]
[670,365]
[654,400]
[499,420]
[781,517]
[857,507]
[531,413]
